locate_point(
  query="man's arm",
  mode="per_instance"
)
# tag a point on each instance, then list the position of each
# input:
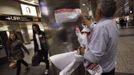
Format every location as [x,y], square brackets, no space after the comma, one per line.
[97,46]
[24,48]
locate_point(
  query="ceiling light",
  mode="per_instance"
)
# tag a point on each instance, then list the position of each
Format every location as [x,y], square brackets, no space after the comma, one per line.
[84,4]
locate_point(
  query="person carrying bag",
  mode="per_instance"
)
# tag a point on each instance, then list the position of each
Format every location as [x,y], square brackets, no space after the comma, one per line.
[16,54]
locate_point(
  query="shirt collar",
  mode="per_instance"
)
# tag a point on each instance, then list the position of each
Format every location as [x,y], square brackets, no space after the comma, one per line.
[102,19]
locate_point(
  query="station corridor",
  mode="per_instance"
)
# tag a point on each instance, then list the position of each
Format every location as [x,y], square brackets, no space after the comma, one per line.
[125,62]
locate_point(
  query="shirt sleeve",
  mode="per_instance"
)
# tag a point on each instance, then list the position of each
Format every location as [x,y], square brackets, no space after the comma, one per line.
[97,45]
[8,50]
[23,47]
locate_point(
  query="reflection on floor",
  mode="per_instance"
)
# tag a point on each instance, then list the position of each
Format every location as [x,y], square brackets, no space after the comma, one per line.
[38,70]
[117,73]
[125,59]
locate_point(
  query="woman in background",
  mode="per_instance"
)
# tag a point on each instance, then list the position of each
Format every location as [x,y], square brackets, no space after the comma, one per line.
[15,51]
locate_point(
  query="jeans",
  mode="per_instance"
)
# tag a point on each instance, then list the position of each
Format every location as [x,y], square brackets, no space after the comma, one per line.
[44,57]
[18,65]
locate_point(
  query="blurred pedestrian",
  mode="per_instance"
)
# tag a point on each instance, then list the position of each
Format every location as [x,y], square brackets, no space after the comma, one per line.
[40,46]
[122,23]
[15,52]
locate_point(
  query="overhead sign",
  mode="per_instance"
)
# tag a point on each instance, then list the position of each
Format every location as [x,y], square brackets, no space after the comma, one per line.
[28,10]
[19,18]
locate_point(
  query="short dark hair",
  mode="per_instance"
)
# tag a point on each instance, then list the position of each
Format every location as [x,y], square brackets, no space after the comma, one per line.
[36,25]
[107,7]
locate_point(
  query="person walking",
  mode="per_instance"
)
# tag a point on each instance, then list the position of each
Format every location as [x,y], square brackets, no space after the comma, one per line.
[15,52]
[40,46]
[122,23]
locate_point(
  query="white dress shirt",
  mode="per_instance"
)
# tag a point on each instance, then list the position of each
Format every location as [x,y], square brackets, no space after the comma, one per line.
[38,41]
[102,45]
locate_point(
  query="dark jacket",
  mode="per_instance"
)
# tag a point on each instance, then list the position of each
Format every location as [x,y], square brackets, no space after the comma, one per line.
[15,50]
[43,42]
[122,22]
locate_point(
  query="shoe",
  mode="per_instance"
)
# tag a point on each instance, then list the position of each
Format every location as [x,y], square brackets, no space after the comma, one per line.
[46,72]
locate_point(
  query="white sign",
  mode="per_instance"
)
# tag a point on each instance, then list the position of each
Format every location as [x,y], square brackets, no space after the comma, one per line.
[28,10]
[67,15]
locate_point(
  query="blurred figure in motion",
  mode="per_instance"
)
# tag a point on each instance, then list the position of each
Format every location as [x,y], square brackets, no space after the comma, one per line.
[75,59]
[15,52]
[122,23]
[40,46]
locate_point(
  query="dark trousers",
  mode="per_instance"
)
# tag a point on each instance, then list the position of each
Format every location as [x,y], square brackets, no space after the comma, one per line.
[18,65]
[44,57]
[109,73]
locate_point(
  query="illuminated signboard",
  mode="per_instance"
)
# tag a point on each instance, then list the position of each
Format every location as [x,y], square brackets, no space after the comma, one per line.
[17,18]
[28,10]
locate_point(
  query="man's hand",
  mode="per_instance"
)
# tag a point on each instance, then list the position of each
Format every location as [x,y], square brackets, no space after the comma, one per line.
[81,50]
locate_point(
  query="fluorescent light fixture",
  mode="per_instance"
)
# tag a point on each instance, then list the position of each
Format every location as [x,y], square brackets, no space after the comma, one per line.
[84,4]
[45,11]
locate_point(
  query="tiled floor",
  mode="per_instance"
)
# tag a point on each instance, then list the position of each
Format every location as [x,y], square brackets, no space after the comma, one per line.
[38,70]
[126,32]
[125,59]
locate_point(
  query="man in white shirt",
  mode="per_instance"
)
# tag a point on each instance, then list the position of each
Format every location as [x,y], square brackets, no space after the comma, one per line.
[103,42]
[40,47]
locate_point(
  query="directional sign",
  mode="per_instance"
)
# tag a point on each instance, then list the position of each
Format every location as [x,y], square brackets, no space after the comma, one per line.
[19,18]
